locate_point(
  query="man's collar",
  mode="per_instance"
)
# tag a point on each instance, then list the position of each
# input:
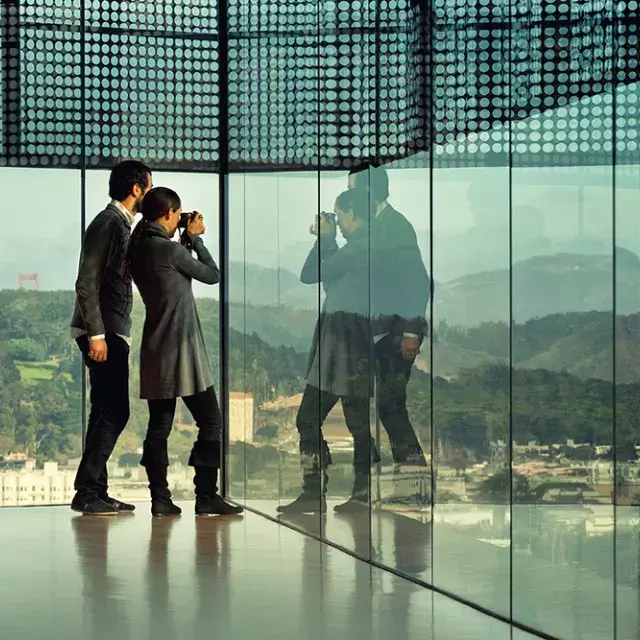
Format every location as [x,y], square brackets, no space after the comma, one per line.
[381,207]
[129,217]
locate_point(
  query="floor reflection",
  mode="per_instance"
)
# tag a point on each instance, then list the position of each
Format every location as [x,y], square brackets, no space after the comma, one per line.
[103,613]
[157,579]
[140,577]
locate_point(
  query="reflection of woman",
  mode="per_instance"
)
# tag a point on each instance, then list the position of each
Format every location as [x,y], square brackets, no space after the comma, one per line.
[173,359]
[157,580]
[340,356]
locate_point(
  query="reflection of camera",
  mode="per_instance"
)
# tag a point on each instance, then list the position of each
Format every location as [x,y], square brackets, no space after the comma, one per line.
[329,216]
[186,217]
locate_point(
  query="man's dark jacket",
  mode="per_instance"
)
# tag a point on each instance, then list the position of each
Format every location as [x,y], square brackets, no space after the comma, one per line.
[104,298]
[400,285]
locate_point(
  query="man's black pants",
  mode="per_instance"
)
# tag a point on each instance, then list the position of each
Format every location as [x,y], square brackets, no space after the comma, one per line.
[108,416]
[392,376]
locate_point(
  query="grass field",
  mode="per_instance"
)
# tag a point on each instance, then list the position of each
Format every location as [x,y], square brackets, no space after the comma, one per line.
[34,372]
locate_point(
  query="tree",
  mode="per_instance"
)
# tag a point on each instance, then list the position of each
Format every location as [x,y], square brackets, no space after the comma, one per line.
[269,432]
[506,485]
[129,460]
[26,350]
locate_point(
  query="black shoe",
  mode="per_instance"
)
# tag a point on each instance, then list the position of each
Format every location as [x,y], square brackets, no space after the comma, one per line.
[215,506]
[93,507]
[305,503]
[120,507]
[359,500]
[164,507]
[352,505]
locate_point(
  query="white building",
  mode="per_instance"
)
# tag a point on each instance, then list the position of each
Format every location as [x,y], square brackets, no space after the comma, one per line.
[36,487]
[240,417]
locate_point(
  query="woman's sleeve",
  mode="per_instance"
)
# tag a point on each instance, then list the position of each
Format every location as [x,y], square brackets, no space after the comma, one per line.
[203,268]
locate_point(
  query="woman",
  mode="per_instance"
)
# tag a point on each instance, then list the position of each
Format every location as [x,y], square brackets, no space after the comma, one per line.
[173,359]
[340,359]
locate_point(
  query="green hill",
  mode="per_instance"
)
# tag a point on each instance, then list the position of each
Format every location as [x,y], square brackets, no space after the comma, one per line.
[542,286]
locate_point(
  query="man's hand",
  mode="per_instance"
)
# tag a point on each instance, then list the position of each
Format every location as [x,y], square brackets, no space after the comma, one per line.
[410,347]
[98,350]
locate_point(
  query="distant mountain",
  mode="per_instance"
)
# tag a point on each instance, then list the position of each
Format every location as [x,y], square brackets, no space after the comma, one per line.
[277,326]
[545,285]
[541,286]
[450,358]
[292,256]
[582,344]
[254,285]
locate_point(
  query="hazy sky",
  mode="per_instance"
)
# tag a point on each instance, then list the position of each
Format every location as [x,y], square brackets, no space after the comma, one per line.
[270,213]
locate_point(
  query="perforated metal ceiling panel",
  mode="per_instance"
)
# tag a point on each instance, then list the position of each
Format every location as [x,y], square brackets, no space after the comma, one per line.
[318,84]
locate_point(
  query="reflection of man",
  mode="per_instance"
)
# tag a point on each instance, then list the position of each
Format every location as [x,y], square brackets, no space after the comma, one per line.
[100,590]
[101,326]
[400,294]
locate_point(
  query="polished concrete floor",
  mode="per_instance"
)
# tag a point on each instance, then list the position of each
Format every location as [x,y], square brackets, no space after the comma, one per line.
[67,576]
[568,592]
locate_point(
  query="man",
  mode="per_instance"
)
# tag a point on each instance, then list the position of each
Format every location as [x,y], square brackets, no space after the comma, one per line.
[101,325]
[400,295]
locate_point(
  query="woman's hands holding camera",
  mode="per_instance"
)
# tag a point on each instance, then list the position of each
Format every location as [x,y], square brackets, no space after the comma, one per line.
[196,225]
[324,225]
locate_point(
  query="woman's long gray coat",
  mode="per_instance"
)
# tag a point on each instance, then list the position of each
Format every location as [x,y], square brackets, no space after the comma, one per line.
[173,358]
[341,357]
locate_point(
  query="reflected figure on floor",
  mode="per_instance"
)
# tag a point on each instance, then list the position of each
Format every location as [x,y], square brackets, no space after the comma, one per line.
[173,358]
[212,559]
[316,572]
[404,544]
[400,293]
[340,359]
[157,580]
[100,591]
[101,326]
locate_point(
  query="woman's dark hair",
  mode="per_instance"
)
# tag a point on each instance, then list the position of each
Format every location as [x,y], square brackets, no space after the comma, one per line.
[155,205]
[158,202]
[357,200]
[125,175]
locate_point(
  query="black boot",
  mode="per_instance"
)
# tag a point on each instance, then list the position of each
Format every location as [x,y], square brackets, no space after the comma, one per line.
[313,498]
[161,503]
[359,500]
[208,500]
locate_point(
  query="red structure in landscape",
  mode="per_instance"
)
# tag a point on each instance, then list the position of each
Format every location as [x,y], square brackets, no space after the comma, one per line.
[22,278]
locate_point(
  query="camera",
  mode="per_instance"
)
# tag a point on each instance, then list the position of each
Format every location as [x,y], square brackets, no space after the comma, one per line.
[186,217]
[330,216]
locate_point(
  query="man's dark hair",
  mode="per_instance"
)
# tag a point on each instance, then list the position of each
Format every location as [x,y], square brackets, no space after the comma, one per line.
[356,200]
[125,175]
[372,176]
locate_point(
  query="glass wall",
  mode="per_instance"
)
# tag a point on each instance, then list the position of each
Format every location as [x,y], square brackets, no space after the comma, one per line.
[522,397]
[41,383]
[522,497]
[40,371]
[441,374]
